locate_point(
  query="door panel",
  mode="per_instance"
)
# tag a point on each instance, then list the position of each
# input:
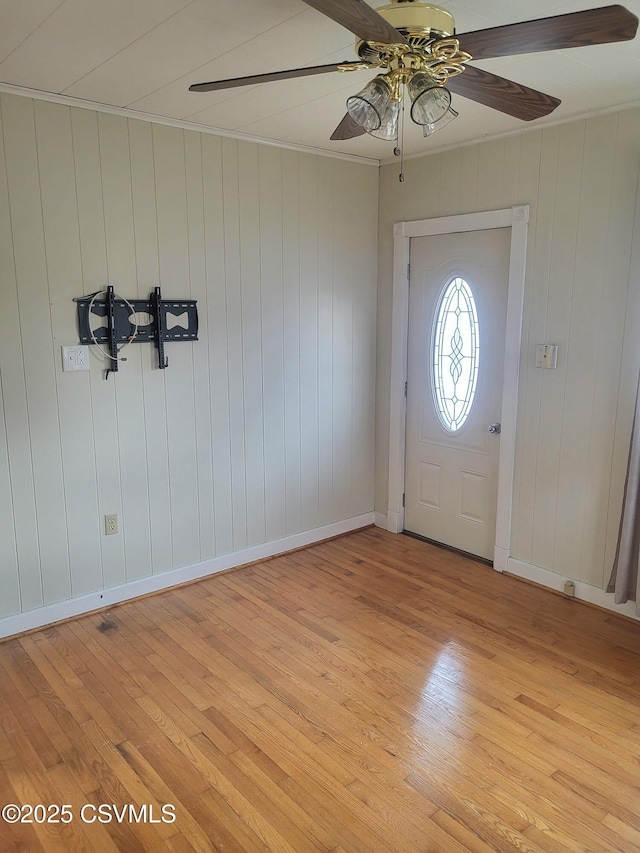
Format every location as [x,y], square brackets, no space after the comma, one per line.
[452,471]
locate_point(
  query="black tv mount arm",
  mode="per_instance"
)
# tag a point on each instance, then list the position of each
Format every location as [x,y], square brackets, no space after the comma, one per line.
[170,320]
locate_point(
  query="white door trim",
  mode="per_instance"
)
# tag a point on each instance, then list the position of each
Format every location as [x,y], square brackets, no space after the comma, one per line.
[516,218]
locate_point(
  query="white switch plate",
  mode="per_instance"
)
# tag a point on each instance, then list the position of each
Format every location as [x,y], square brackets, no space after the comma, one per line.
[75,358]
[546,355]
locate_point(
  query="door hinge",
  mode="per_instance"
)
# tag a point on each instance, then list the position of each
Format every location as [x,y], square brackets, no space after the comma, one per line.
[408,271]
[405,388]
[403,499]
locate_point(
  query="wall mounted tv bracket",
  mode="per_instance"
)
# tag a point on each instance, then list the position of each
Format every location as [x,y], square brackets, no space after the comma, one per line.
[170,320]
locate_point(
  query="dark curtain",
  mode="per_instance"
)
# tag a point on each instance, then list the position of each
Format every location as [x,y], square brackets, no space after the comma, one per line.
[624,577]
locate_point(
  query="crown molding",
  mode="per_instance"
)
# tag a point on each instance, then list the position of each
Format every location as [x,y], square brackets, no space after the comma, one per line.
[539,125]
[95,106]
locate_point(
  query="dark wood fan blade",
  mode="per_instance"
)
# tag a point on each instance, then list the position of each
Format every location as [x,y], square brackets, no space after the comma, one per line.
[500,94]
[267,78]
[347,129]
[360,18]
[577,29]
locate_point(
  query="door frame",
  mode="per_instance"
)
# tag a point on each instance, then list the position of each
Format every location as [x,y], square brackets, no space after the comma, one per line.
[517,219]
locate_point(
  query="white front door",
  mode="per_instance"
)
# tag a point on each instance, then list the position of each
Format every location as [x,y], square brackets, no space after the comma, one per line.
[457,315]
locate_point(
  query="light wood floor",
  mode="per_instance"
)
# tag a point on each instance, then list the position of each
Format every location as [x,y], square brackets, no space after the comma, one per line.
[372,693]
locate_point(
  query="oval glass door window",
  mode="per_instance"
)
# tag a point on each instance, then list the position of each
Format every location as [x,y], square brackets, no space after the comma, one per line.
[455,354]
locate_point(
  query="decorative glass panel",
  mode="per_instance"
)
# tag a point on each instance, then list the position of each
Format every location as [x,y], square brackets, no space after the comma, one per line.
[455,354]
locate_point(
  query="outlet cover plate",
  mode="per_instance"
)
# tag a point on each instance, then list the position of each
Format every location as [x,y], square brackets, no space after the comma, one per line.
[547,356]
[75,358]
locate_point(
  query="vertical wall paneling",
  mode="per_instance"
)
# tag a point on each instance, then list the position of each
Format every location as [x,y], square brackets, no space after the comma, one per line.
[309,338]
[628,135]
[18,539]
[201,373]
[214,316]
[93,253]
[510,171]
[54,584]
[450,182]
[291,280]
[490,177]
[64,265]
[612,298]
[251,344]
[154,467]
[272,333]
[584,353]
[580,180]
[326,232]
[528,184]
[129,403]
[557,320]
[235,370]
[535,425]
[10,601]
[260,430]
[173,241]
[468,192]
[345,261]
[361,266]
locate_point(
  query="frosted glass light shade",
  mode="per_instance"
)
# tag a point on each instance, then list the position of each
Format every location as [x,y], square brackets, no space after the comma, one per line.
[430,102]
[446,119]
[369,105]
[388,129]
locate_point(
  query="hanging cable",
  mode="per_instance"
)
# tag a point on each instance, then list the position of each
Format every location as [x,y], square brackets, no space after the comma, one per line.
[131,338]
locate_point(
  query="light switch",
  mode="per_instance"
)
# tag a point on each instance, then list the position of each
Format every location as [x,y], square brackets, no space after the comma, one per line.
[547,356]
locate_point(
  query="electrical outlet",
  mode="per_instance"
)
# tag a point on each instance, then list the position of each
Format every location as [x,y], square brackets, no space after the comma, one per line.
[75,358]
[82,358]
[111,524]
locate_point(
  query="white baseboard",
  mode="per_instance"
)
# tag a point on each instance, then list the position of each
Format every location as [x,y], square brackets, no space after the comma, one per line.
[50,613]
[380,520]
[584,591]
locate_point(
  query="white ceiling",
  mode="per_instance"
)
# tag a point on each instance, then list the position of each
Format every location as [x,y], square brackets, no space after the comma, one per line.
[143,55]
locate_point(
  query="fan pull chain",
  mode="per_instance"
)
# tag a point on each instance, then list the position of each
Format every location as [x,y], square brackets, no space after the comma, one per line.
[400,152]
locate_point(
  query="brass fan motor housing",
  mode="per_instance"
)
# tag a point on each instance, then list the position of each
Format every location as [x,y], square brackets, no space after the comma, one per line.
[418,22]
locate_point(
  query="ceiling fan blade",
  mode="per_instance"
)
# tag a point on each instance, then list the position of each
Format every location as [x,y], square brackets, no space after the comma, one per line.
[347,129]
[577,29]
[360,18]
[500,94]
[276,75]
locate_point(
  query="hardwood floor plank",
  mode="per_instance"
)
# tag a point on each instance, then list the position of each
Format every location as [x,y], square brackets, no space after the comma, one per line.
[291,821]
[21,838]
[218,779]
[193,818]
[629,836]
[466,838]
[71,793]
[369,694]
[552,828]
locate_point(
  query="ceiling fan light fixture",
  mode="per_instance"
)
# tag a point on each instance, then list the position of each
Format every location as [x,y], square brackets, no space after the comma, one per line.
[447,118]
[388,130]
[369,106]
[430,101]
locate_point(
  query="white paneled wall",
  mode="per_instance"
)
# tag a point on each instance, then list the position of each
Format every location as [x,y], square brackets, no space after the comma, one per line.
[582,293]
[260,430]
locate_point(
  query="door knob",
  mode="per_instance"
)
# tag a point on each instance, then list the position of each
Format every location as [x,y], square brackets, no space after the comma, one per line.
[495,429]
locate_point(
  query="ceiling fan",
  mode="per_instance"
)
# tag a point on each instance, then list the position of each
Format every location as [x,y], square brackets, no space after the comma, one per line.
[417,46]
